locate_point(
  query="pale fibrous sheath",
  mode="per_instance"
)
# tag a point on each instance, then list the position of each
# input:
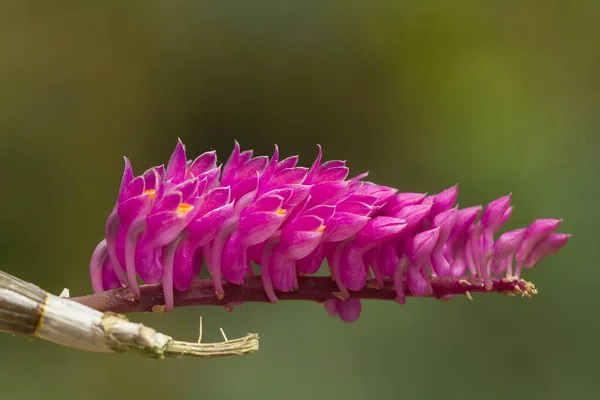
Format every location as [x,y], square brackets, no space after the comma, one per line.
[29,310]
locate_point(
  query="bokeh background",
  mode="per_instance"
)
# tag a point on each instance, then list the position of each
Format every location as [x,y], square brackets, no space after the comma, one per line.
[498,96]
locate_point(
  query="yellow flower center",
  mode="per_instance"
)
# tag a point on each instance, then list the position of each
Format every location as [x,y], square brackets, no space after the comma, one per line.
[151,193]
[184,208]
[280,211]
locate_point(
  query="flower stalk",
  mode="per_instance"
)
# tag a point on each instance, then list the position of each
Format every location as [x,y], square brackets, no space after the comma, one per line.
[316,289]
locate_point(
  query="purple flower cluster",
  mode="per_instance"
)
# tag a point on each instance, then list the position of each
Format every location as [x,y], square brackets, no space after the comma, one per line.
[290,219]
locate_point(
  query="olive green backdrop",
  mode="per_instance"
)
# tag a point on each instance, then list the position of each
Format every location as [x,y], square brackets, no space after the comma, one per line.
[500,96]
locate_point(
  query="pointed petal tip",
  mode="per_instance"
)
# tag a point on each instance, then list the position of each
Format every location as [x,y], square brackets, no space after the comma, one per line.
[275,156]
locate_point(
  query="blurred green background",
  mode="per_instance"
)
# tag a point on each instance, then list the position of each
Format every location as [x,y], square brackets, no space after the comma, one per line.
[500,96]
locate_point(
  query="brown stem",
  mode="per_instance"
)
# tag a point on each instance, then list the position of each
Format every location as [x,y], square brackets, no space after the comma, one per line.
[318,289]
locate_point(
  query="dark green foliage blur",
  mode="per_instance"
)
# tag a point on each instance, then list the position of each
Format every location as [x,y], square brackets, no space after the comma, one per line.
[499,96]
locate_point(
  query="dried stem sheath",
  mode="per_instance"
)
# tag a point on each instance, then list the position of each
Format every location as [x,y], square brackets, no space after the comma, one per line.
[318,289]
[28,310]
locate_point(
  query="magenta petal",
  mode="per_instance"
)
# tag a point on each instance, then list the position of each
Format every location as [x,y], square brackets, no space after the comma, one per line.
[546,247]
[346,225]
[331,164]
[361,198]
[387,259]
[348,310]
[399,274]
[444,200]
[269,170]
[535,232]
[508,243]
[299,244]
[231,165]
[289,162]
[205,228]
[244,202]
[168,259]
[187,189]
[135,188]
[382,193]
[354,207]
[214,199]
[299,194]
[148,263]
[441,266]
[422,246]
[445,221]
[352,267]
[311,263]
[265,268]
[323,212]
[416,283]
[378,230]
[241,188]
[213,254]
[335,173]
[464,219]
[493,214]
[245,156]
[152,178]
[234,262]
[250,168]
[500,267]
[111,232]
[282,272]
[304,223]
[459,264]
[506,216]
[330,307]
[401,200]
[293,176]
[130,243]
[203,163]
[164,227]
[132,209]
[169,202]
[285,193]
[99,256]
[315,166]
[183,265]
[415,214]
[268,203]
[177,164]
[327,192]
[212,178]
[259,226]
[125,180]
[109,278]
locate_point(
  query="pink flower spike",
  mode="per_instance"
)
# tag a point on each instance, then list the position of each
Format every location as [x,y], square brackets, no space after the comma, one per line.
[288,219]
